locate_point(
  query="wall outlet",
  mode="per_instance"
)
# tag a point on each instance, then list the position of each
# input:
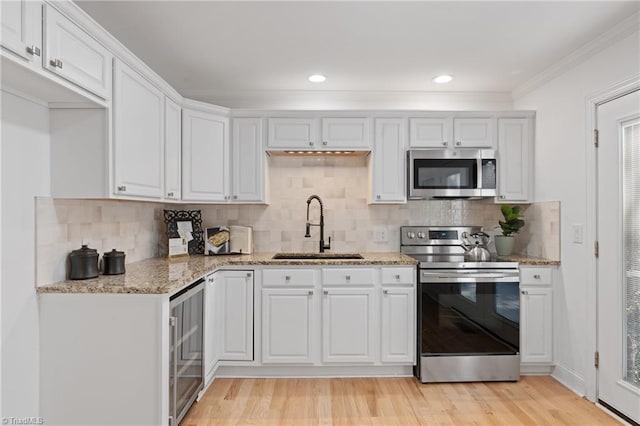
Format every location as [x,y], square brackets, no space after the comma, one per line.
[380,234]
[578,231]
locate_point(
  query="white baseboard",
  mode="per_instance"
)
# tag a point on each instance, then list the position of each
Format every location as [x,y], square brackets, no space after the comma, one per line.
[317,371]
[536,370]
[570,379]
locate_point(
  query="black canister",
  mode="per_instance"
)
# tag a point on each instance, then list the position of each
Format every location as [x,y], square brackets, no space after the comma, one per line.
[84,263]
[113,262]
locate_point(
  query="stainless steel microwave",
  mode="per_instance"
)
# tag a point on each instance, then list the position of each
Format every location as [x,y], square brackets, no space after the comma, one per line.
[451,173]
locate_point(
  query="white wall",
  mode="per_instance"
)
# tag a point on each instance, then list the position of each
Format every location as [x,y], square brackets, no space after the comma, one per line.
[561,174]
[25,174]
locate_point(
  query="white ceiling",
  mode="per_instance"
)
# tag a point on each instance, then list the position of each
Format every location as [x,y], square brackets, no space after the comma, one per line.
[205,49]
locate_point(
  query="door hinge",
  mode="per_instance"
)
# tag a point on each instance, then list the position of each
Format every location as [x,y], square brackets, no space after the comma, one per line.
[596,359]
[596,249]
[596,137]
[172,321]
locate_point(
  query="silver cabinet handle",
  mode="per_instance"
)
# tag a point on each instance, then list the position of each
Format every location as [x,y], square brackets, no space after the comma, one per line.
[287,278]
[378,197]
[310,293]
[310,143]
[235,197]
[56,63]
[445,143]
[326,292]
[525,292]
[397,277]
[33,50]
[502,197]
[248,274]
[458,143]
[122,188]
[536,276]
[385,291]
[324,143]
[170,194]
[348,277]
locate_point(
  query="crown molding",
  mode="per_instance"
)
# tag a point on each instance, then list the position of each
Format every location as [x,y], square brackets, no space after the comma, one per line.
[349,99]
[205,107]
[618,32]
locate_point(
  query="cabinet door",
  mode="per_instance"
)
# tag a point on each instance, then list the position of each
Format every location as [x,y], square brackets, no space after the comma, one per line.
[205,156]
[248,160]
[536,325]
[398,324]
[430,132]
[348,329]
[211,314]
[172,149]
[75,55]
[138,122]
[388,173]
[21,22]
[513,162]
[288,319]
[293,133]
[236,328]
[346,133]
[474,133]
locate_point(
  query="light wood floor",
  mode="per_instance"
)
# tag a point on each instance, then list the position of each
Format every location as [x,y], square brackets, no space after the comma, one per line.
[391,401]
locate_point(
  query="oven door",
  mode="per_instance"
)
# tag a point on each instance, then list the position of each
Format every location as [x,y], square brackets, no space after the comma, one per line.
[450,173]
[468,326]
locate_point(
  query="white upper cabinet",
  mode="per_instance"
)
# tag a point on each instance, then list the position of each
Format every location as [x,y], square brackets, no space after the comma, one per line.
[293,133]
[331,133]
[431,132]
[205,156]
[172,149]
[248,160]
[138,111]
[74,55]
[388,169]
[514,153]
[345,133]
[474,132]
[21,22]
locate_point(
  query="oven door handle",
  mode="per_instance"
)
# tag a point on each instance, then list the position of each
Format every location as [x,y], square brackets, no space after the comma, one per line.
[439,277]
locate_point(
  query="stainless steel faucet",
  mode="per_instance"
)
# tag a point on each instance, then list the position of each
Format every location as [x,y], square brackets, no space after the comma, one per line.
[323,246]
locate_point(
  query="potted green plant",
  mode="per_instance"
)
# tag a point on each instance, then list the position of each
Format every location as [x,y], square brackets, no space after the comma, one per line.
[511,225]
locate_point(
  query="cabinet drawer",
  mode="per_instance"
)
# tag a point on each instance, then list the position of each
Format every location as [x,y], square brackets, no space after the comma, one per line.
[398,275]
[535,276]
[341,276]
[288,277]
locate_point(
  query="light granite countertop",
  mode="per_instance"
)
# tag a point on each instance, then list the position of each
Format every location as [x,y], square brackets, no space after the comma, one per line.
[165,276]
[528,260]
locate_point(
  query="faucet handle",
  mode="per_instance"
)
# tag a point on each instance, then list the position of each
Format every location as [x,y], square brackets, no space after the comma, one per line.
[307,233]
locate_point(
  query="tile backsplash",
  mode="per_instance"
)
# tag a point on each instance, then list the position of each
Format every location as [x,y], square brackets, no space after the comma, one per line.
[341,182]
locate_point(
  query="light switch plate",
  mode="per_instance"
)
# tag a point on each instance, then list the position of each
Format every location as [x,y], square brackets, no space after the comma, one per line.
[380,234]
[578,231]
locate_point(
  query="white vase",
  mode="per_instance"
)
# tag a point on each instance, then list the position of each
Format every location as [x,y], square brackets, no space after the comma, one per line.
[504,244]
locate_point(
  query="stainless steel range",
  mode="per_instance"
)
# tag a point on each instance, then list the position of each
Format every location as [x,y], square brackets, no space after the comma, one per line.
[468,312]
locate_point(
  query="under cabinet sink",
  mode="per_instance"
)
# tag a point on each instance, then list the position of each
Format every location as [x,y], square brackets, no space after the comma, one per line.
[312,256]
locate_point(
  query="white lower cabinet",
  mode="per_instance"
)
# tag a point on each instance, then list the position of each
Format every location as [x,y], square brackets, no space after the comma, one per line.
[398,324]
[235,289]
[288,322]
[211,322]
[536,316]
[348,329]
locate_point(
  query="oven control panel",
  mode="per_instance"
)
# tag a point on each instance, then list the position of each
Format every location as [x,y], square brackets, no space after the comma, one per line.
[434,235]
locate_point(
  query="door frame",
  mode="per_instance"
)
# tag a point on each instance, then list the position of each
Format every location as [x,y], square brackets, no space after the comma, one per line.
[593,101]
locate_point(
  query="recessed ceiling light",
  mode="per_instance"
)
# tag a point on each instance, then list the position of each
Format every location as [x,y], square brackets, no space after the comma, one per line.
[442,78]
[317,78]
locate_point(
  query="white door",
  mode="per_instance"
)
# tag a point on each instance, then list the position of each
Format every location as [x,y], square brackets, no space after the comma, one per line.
[348,332]
[618,157]
[536,325]
[473,132]
[288,318]
[300,133]
[205,156]
[398,324]
[138,111]
[236,328]
[21,22]
[431,132]
[345,133]
[389,178]
[248,160]
[172,149]
[75,55]
[513,149]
